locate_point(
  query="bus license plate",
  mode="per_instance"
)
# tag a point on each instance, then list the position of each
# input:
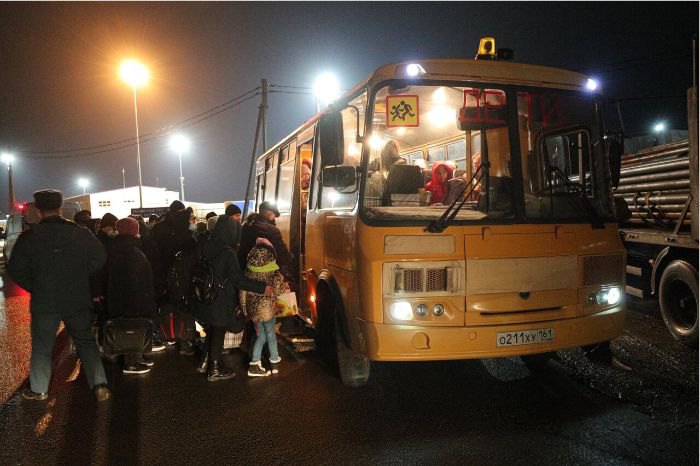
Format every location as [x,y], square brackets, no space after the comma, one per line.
[525,337]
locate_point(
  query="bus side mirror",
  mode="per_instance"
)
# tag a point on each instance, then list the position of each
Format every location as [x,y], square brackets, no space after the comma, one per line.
[614,149]
[331,139]
[340,177]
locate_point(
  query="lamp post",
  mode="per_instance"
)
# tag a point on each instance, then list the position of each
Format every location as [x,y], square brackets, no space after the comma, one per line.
[8,159]
[83,183]
[136,75]
[325,90]
[180,144]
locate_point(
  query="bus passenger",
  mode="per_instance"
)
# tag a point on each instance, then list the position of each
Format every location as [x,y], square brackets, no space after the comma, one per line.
[442,173]
[263,225]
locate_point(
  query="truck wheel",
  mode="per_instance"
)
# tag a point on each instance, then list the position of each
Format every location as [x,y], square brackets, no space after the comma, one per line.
[678,298]
[353,367]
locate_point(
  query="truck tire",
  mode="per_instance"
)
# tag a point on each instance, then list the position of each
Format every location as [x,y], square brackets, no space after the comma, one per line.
[678,299]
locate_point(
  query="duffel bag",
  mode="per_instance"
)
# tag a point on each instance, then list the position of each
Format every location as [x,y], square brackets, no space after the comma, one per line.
[127,335]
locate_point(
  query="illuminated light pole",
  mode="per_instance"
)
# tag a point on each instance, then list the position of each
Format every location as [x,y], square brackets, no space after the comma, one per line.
[325,90]
[180,144]
[83,183]
[8,159]
[659,129]
[136,75]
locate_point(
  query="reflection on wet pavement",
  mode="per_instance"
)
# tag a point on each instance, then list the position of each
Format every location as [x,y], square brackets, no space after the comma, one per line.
[15,340]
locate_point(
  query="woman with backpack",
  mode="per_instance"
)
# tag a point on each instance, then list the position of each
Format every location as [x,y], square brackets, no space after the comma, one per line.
[228,280]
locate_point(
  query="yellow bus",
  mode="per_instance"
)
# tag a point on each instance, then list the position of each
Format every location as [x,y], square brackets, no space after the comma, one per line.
[528,259]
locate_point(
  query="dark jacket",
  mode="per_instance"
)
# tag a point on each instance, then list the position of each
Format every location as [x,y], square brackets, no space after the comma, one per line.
[53,261]
[227,270]
[260,227]
[130,280]
[171,235]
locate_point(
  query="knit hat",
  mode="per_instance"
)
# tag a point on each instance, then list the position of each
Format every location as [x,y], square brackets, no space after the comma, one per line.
[128,226]
[48,199]
[232,209]
[176,205]
[83,217]
[108,220]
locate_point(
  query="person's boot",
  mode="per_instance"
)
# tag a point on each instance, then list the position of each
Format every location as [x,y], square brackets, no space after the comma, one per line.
[202,369]
[217,371]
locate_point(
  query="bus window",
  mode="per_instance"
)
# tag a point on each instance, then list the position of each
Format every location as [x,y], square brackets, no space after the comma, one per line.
[436,154]
[457,152]
[332,197]
[286,182]
[270,178]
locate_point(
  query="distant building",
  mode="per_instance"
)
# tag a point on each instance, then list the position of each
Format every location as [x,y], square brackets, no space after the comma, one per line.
[120,201]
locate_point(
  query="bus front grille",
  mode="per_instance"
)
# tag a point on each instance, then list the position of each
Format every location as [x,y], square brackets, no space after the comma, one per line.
[602,270]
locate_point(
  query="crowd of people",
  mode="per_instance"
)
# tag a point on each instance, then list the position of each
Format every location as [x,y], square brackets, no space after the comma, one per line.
[88,271]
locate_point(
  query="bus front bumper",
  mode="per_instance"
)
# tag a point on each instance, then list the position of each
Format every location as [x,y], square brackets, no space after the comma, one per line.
[384,342]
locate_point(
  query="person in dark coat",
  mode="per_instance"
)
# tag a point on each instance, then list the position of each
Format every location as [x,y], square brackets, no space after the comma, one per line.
[262,225]
[173,235]
[220,314]
[53,262]
[130,285]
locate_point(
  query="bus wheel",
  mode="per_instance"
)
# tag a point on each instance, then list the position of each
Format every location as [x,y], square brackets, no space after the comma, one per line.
[353,367]
[678,298]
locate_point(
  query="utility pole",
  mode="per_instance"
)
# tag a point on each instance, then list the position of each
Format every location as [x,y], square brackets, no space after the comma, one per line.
[260,127]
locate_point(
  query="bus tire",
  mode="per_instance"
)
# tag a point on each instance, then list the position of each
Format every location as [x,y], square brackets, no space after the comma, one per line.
[678,299]
[353,367]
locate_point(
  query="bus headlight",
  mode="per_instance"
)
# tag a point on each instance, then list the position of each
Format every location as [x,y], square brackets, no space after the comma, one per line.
[401,310]
[610,296]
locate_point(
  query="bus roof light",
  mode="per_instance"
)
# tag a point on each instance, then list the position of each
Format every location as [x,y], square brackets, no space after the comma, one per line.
[487,49]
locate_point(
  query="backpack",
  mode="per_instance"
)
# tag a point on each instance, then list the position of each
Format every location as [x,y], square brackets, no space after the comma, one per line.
[204,284]
[179,280]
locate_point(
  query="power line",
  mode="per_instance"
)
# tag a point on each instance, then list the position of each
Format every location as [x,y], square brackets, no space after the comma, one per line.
[131,141]
[153,136]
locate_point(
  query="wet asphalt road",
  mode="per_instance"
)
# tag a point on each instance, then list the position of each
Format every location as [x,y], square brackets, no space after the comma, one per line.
[460,412]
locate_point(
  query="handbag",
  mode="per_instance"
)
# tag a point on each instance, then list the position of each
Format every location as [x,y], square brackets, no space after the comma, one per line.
[127,336]
[236,321]
[233,340]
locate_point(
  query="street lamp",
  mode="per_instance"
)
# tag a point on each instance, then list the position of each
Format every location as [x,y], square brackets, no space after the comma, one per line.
[325,90]
[180,144]
[83,183]
[8,159]
[136,75]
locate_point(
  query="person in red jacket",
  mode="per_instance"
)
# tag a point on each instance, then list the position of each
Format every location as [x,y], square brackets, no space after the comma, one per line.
[442,173]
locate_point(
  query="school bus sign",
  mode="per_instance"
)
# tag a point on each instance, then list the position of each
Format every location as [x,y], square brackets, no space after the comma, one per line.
[402,110]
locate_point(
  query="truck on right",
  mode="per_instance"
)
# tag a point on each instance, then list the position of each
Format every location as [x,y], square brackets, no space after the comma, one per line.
[659,187]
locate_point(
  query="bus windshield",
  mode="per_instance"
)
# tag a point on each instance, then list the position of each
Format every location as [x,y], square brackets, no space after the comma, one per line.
[430,145]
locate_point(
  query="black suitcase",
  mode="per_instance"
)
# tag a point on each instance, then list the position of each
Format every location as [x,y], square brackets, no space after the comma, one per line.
[127,335]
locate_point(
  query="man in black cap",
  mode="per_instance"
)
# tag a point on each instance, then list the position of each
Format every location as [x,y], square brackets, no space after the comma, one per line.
[53,261]
[234,213]
[262,225]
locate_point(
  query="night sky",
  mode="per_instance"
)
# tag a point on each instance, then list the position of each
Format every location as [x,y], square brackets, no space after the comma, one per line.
[61,90]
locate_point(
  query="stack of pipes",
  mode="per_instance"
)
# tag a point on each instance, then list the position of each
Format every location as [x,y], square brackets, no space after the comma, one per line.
[655,184]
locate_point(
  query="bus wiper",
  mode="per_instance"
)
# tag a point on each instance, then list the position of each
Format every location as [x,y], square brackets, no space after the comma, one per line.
[439,225]
[578,190]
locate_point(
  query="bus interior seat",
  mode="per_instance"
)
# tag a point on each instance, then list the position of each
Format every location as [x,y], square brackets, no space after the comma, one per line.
[402,183]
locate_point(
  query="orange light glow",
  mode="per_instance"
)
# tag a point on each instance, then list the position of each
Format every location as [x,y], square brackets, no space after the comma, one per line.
[134,73]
